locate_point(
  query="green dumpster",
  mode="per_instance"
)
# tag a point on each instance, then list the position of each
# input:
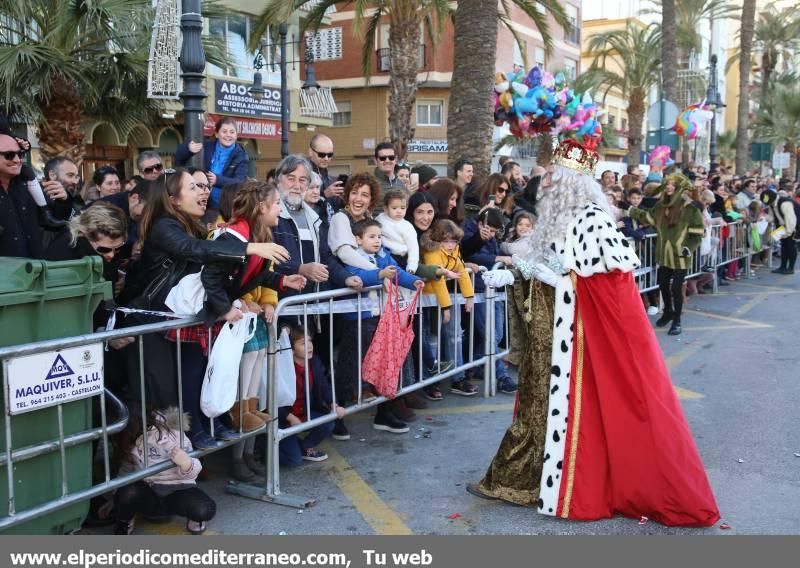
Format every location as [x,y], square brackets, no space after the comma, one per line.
[48,300]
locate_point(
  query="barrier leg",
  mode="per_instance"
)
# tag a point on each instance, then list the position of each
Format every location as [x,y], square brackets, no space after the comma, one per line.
[270,490]
[490,388]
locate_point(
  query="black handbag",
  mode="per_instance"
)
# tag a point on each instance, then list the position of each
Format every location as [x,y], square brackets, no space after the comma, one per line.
[151,294]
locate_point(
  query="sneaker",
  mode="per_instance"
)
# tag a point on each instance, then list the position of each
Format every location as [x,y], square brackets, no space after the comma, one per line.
[202,441]
[340,431]
[506,385]
[675,329]
[652,310]
[463,388]
[387,422]
[432,393]
[439,367]
[125,527]
[314,455]
[196,527]
[225,434]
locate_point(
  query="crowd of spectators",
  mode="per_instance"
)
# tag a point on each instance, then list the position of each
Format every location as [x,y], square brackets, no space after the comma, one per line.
[307,231]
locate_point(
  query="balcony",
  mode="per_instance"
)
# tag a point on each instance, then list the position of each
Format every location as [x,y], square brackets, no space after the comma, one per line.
[385,61]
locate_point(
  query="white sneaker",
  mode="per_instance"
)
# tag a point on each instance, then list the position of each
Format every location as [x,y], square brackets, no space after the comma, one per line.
[652,310]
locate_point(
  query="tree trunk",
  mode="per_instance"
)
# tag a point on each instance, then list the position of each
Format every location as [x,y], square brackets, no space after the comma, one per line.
[669,51]
[743,112]
[404,41]
[636,111]
[791,171]
[470,116]
[767,66]
[59,131]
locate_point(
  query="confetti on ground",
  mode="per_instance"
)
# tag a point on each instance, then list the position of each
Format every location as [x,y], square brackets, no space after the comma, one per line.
[454,516]
[299,511]
[643,520]
[725,526]
[797,455]
[429,418]
[740,460]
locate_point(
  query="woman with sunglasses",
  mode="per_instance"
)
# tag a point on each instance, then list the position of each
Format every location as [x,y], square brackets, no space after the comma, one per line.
[174,246]
[224,160]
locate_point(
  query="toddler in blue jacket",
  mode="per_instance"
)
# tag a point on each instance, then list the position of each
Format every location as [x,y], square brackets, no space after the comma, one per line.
[368,238]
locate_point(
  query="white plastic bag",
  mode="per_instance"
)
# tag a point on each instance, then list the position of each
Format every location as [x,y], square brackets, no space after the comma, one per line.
[188,296]
[285,378]
[220,384]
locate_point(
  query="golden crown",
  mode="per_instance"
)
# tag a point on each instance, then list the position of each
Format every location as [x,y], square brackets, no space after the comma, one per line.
[571,154]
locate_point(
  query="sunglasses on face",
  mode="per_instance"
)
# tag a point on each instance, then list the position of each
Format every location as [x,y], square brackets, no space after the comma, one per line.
[501,190]
[323,155]
[108,250]
[152,169]
[390,158]
[10,155]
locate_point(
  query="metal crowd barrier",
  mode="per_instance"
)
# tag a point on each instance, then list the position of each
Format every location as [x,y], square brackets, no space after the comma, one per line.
[304,306]
[307,306]
[735,247]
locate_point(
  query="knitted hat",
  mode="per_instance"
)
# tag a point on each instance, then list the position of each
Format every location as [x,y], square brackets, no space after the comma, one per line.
[426,173]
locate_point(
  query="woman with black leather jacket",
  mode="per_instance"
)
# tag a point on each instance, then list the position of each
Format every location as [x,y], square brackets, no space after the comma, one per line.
[174,246]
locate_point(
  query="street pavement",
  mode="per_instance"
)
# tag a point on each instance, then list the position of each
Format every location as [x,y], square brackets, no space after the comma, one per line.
[735,368]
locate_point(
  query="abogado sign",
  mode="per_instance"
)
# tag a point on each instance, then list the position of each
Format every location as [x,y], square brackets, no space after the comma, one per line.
[47,379]
[232,97]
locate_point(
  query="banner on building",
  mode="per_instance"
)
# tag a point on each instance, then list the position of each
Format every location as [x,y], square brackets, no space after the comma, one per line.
[233,97]
[428,146]
[247,127]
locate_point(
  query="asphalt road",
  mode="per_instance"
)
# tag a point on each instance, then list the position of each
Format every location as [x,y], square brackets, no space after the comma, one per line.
[735,367]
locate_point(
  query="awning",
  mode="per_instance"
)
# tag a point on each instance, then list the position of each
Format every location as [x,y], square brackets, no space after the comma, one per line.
[247,127]
[319,104]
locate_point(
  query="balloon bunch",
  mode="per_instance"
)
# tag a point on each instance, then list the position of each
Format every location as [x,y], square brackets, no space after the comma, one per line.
[538,102]
[692,119]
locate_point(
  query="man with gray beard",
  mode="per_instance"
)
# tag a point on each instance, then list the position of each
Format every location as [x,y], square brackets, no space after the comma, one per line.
[301,231]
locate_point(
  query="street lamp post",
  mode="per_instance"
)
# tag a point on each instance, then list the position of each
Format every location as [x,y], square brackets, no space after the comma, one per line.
[715,101]
[193,65]
[257,90]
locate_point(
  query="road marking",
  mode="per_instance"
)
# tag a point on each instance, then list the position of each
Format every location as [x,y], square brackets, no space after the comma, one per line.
[467,409]
[381,517]
[745,323]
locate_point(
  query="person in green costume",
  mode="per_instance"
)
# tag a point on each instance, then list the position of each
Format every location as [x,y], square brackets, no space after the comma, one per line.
[679,224]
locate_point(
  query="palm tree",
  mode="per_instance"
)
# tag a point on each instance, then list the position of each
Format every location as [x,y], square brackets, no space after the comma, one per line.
[688,16]
[775,41]
[406,17]
[743,110]
[669,51]
[628,60]
[778,121]
[469,117]
[61,61]
[726,144]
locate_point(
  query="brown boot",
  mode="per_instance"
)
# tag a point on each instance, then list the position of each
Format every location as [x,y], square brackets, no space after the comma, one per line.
[252,406]
[249,422]
[401,411]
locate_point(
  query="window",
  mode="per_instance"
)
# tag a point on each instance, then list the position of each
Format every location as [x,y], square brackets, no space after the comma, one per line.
[518,59]
[624,124]
[343,115]
[429,113]
[540,59]
[571,68]
[235,31]
[573,35]
[612,121]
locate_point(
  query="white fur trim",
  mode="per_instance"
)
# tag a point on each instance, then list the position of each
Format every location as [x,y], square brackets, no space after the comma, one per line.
[558,407]
[594,245]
